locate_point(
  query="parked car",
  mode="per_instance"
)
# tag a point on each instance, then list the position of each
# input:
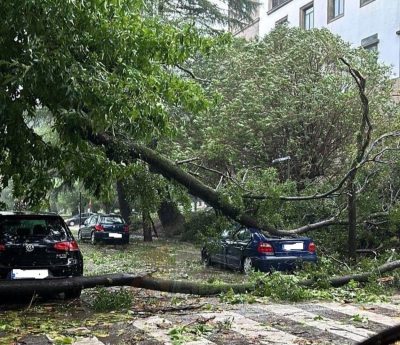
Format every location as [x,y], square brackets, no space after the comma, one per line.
[38,246]
[249,248]
[74,220]
[106,228]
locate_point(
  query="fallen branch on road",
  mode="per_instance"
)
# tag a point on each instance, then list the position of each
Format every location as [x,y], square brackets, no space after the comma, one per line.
[145,281]
[358,277]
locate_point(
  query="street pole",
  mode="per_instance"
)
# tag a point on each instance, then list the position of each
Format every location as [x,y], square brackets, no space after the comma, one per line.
[80,209]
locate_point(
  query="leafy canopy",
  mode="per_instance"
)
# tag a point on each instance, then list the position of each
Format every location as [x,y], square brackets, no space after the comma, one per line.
[78,65]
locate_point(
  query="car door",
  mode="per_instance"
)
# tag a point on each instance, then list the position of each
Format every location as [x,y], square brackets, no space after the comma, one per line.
[235,248]
[86,229]
[219,252]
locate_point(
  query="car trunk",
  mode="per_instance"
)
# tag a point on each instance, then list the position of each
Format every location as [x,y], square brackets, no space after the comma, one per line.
[117,228]
[289,246]
[28,243]
[31,253]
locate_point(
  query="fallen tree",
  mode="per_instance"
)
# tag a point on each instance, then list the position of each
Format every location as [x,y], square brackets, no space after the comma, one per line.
[145,281]
[170,170]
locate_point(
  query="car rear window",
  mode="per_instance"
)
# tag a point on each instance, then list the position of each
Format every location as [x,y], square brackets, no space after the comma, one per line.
[111,220]
[20,228]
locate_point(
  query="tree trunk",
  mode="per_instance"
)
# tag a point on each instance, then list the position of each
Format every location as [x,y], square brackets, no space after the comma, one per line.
[352,218]
[172,220]
[147,228]
[124,206]
[15,287]
[169,170]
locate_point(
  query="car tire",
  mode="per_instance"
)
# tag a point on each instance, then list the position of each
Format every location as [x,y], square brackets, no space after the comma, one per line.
[93,238]
[73,293]
[247,265]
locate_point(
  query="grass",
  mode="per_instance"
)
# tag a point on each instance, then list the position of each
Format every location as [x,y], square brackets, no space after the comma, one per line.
[169,260]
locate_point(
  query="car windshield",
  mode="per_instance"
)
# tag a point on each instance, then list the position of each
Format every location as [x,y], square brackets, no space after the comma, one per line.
[111,220]
[19,228]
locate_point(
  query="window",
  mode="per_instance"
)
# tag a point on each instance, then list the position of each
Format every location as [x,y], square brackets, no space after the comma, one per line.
[111,220]
[307,16]
[335,9]
[365,2]
[277,3]
[370,42]
[243,235]
[282,21]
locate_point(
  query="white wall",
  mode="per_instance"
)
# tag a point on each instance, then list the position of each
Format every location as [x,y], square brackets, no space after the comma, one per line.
[380,17]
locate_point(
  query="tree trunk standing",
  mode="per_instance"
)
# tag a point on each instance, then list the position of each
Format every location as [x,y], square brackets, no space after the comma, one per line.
[171,218]
[124,206]
[352,218]
[363,140]
[147,228]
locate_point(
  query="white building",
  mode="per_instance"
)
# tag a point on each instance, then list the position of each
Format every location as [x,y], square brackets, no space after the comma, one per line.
[373,24]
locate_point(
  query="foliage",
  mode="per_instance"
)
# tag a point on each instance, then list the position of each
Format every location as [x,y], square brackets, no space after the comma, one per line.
[183,334]
[92,67]
[201,226]
[209,16]
[107,300]
[290,95]
[282,96]
[190,332]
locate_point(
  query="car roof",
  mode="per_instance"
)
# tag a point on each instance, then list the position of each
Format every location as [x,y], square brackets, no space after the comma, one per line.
[27,213]
[109,215]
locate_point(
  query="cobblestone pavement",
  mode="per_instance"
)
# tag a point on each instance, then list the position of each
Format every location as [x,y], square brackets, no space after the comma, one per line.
[245,324]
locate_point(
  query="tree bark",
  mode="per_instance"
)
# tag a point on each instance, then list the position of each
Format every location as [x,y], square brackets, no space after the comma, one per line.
[171,218]
[169,170]
[362,142]
[124,206]
[144,281]
[352,218]
[147,228]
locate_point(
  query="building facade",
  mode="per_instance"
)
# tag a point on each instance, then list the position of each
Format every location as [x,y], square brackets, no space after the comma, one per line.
[372,24]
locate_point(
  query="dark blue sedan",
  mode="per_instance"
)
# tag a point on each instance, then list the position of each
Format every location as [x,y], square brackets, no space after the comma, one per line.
[105,228]
[248,248]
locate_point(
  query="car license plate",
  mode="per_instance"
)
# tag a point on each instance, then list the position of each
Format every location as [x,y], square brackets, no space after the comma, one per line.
[29,274]
[111,234]
[294,246]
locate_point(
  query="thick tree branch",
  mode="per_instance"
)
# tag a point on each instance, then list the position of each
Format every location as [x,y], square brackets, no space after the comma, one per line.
[169,170]
[13,287]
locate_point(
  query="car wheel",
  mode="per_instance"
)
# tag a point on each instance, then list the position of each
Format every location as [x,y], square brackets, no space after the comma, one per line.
[79,236]
[93,238]
[247,265]
[73,293]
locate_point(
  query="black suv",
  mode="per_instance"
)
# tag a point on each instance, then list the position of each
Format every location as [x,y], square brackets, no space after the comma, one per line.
[38,246]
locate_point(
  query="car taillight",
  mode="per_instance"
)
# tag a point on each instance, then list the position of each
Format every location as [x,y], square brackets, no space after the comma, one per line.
[126,228]
[99,227]
[265,248]
[71,246]
[2,247]
[311,247]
